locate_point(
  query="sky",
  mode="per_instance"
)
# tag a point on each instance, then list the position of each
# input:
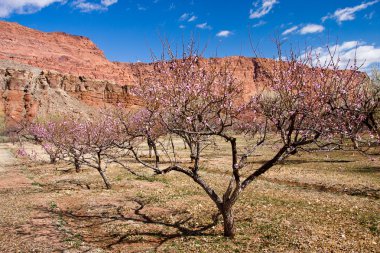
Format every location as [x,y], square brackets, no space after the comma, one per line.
[129,30]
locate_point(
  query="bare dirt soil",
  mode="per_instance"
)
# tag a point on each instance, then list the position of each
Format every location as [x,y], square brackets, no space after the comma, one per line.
[320,202]
[6,156]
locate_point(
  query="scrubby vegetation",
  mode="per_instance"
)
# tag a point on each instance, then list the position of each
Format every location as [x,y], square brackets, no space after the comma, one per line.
[324,201]
[198,126]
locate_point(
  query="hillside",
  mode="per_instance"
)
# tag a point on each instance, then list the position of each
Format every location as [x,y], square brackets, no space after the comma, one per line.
[41,73]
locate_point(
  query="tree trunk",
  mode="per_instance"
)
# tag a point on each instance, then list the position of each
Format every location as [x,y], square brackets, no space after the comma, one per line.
[192,153]
[150,150]
[152,147]
[355,143]
[228,222]
[77,167]
[155,152]
[105,179]
[53,159]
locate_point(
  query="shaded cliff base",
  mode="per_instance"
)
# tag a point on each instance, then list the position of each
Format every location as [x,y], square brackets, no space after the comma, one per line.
[27,92]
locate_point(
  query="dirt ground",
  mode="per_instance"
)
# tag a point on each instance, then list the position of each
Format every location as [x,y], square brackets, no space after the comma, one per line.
[324,202]
[6,156]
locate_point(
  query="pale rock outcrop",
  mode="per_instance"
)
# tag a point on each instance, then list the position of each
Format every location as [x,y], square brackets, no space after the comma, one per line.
[27,92]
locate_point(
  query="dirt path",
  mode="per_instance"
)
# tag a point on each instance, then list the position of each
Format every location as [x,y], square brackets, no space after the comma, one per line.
[6,156]
[11,176]
[29,229]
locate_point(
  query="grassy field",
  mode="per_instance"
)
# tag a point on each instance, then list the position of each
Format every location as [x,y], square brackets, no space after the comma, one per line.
[314,202]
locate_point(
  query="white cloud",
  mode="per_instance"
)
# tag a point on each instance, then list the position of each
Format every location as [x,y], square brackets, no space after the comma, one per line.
[204,26]
[108,2]
[290,30]
[189,17]
[192,18]
[224,33]
[141,8]
[182,26]
[304,29]
[260,23]
[346,53]
[8,7]
[311,28]
[348,13]
[347,45]
[265,8]
[184,16]
[85,6]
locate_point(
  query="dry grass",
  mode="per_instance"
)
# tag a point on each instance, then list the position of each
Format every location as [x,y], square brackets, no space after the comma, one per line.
[320,202]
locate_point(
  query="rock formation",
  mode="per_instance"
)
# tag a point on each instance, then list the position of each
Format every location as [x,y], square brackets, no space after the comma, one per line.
[28,92]
[75,55]
[42,73]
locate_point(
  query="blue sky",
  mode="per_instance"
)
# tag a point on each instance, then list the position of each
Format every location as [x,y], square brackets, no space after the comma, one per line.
[126,30]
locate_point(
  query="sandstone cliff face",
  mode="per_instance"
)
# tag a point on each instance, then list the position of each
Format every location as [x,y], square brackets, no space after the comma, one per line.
[75,55]
[27,91]
[43,73]
[251,73]
[78,56]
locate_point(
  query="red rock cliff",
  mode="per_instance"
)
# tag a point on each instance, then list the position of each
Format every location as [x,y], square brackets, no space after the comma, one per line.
[79,56]
[75,55]
[27,91]
[44,72]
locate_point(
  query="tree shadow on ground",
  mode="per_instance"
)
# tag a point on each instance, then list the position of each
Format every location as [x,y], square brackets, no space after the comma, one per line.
[66,184]
[336,189]
[366,170]
[302,161]
[111,229]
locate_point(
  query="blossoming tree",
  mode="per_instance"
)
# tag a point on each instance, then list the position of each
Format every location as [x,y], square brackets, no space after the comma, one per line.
[80,141]
[199,101]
